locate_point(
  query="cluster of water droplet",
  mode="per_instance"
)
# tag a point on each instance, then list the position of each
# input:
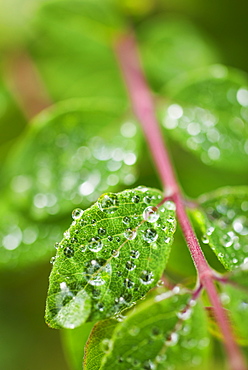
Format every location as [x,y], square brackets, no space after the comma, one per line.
[216,136]
[227,231]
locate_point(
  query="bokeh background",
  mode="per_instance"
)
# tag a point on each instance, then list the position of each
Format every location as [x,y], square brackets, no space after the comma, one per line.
[41,58]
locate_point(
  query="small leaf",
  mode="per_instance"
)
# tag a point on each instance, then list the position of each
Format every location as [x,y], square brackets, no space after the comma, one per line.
[208,115]
[161,332]
[235,298]
[223,218]
[24,242]
[79,149]
[164,43]
[111,256]
[72,47]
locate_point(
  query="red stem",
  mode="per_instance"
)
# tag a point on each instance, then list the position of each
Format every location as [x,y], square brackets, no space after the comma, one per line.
[144,109]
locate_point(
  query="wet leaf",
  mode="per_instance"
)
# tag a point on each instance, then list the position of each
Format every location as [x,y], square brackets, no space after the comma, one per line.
[72,47]
[25,242]
[110,257]
[164,43]
[235,298]
[208,115]
[70,155]
[223,218]
[164,331]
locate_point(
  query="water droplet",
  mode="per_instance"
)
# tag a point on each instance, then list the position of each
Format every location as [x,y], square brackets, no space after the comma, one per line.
[106,345]
[155,332]
[205,239]
[97,273]
[134,254]
[126,220]
[95,244]
[130,265]
[108,203]
[68,251]
[151,214]
[171,206]
[147,199]
[115,253]
[101,231]
[56,245]
[150,235]
[220,255]
[100,307]
[67,234]
[74,240]
[110,238]
[160,284]
[135,199]
[128,283]
[172,340]
[77,213]
[227,239]
[149,365]
[210,231]
[167,240]
[93,222]
[146,277]
[52,260]
[185,314]
[240,225]
[118,239]
[130,234]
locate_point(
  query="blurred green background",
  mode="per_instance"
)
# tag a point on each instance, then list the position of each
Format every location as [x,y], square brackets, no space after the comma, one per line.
[72,59]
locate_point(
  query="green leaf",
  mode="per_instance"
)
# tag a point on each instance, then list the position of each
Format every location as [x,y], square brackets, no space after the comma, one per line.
[110,257]
[79,149]
[235,298]
[161,332]
[72,47]
[223,218]
[24,242]
[165,42]
[208,115]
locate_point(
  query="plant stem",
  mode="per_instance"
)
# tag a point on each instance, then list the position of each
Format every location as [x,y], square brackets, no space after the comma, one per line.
[25,83]
[144,109]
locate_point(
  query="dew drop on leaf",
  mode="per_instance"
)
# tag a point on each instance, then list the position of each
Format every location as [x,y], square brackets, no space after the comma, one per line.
[101,231]
[130,234]
[128,283]
[134,254]
[172,340]
[108,203]
[130,265]
[150,235]
[77,213]
[126,220]
[95,244]
[135,199]
[68,251]
[151,214]
[146,277]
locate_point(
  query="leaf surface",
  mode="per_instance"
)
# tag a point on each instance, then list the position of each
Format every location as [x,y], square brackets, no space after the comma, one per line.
[208,116]
[110,257]
[235,299]
[72,47]
[71,154]
[223,218]
[161,332]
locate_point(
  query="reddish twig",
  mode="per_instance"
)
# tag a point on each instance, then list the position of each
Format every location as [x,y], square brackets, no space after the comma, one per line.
[143,107]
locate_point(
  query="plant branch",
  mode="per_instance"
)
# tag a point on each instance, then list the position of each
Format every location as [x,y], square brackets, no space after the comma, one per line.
[25,84]
[144,109]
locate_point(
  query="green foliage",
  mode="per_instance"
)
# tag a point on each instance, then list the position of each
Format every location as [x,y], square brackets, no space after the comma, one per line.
[235,299]
[223,218]
[111,256]
[164,331]
[73,159]
[208,115]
